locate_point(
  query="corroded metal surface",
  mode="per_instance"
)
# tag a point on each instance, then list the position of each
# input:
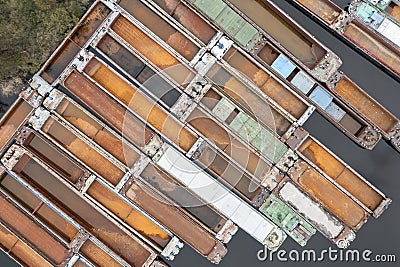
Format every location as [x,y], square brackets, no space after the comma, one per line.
[374,46]
[86,177]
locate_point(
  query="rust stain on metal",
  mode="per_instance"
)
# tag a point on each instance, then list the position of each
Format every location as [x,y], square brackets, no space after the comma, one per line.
[10,123]
[107,108]
[128,214]
[161,28]
[139,40]
[97,256]
[90,181]
[83,151]
[39,238]
[368,106]
[324,9]
[20,250]
[169,216]
[364,38]
[341,174]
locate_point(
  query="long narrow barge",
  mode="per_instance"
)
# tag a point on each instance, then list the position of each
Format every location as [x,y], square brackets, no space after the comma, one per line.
[356,206]
[358,35]
[149,125]
[26,169]
[381,22]
[124,100]
[169,129]
[187,229]
[72,112]
[342,175]
[69,237]
[354,221]
[360,124]
[250,26]
[334,107]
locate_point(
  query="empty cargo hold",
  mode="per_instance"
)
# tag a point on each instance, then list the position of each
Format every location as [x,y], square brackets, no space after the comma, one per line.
[288,100]
[371,16]
[311,210]
[148,109]
[127,214]
[96,255]
[108,109]
[140,41]
[98,225]
[276,25]
[330,106]
[176,221]
[167,185]
[38,209]
[235,26]
[366,105]
[19,250]
[12,120]
[186,17]
[83,151]
[286,218]
[336,201]
[139,70]
[52,156]
[130,91]
[341,173]
[251,102]
[361,36]
[178,41]
[149,48]
[41,240]
[84,178]
[74,42]
[230,174]
[97,132]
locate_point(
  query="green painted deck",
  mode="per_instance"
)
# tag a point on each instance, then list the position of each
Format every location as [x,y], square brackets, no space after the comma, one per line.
[251,131]
[230,21]
[281,214]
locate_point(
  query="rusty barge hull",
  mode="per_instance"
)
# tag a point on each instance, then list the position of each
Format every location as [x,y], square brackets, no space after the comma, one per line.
[282,30]
[65,230]
[90,156]
[33,173]
[355,124]
[147,125]
[170,127]
[365,194]
[356,34]
[47,152]
[349,202]
[150,15]
[73,113]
